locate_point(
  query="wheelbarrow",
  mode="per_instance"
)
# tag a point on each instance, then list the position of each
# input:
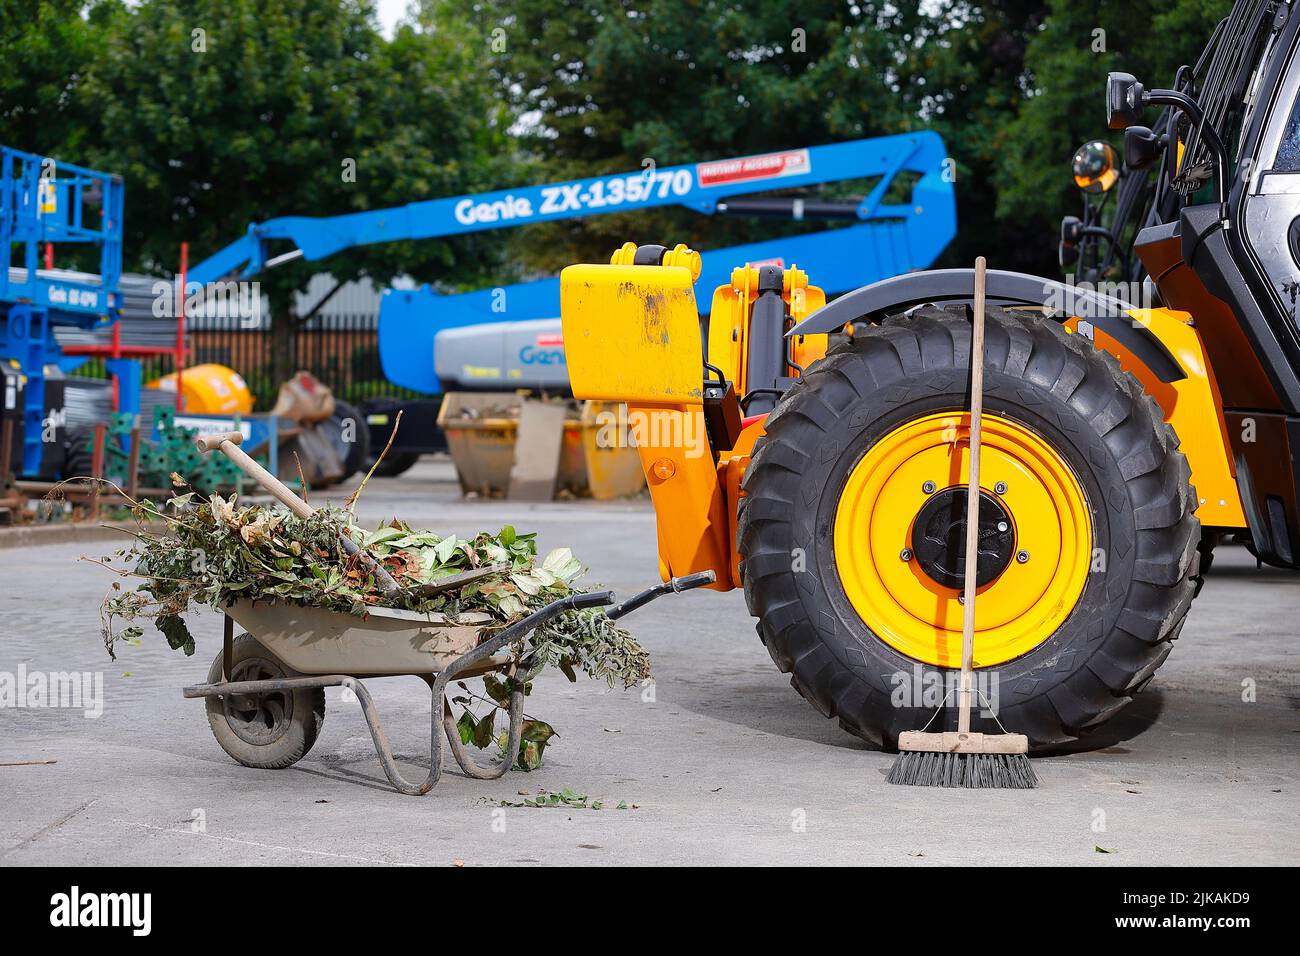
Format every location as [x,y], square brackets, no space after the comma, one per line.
[265,690]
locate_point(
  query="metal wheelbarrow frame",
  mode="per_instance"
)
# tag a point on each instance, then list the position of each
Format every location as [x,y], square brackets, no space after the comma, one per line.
[323,625]
[440,718]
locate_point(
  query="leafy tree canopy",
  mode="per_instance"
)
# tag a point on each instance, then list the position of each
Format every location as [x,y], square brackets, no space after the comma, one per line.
[222,114]
[218,114]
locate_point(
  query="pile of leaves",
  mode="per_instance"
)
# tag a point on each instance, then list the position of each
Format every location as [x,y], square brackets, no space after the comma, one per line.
[566,798]
[211,552]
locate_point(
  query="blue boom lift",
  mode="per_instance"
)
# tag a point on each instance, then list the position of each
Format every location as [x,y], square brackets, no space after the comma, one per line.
[887,238]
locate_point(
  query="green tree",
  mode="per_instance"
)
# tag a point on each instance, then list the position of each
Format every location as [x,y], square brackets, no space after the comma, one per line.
[965,78]
[45,49]
[602,87]
[1013,86]
[1066,65]
[218,114]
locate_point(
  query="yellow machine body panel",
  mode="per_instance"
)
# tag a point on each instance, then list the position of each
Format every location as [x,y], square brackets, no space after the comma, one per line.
[1192,406]
[729,322]
[631,333]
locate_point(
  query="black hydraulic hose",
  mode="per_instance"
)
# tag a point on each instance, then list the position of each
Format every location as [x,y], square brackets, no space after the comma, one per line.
[1211,136]
[1116,248]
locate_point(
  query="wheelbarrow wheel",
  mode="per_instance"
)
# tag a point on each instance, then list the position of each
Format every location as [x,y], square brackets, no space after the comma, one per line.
[268,731]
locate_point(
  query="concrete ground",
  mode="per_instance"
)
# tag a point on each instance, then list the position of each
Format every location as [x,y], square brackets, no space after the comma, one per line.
[723,762]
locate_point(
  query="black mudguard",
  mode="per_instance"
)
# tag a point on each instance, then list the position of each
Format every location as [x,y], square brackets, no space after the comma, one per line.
[945,286]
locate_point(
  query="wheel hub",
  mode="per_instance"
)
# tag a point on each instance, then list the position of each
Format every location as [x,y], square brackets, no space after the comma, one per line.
[1030,575]
[258,719]
[939,538]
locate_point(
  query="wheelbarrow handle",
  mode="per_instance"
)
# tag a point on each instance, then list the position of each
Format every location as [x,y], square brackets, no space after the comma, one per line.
[520,629]
[671,586]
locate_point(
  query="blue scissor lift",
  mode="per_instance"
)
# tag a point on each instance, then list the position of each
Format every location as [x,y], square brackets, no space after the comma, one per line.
[45,202]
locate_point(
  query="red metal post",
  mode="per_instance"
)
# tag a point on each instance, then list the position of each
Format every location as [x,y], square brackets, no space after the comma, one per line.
[115,352]
[97,466]
[180,324]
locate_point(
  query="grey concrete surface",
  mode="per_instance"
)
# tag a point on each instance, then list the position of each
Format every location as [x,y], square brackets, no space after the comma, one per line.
[725,765]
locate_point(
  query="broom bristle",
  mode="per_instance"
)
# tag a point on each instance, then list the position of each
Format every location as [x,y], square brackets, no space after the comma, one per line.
[921,768]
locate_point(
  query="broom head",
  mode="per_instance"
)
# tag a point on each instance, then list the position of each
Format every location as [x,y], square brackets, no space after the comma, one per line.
[970,760]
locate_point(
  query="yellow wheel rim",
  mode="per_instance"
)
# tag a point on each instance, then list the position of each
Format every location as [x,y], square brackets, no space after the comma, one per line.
[899,602]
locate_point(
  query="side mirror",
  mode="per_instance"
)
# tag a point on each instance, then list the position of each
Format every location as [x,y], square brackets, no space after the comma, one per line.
[1068,250]
[1125,100]
[1094,167]
[1141,147]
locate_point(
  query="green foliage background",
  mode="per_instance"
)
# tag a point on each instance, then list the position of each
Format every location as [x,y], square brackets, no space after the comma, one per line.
[479,94]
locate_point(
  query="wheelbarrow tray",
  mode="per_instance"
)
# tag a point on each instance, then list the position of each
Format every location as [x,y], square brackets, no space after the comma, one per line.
[314,640]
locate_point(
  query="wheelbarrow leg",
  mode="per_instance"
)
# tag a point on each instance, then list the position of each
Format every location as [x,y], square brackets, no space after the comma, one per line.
[467,763]
[385,752]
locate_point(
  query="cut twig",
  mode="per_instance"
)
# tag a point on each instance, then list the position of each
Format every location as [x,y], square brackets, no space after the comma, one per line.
[459,580]
[302,479]
[352,499]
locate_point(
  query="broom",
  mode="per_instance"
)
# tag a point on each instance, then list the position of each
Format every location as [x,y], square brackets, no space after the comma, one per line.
[966,759]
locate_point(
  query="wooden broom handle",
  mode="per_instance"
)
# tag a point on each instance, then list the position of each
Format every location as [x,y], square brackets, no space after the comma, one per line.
[972,501]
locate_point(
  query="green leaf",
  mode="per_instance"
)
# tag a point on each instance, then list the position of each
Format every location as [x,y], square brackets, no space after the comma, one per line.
[466,726]
[1102,849]
[562,564]
[511,605]
[530,755]
[527,583]
[483,731]
[382,536]
[445,549]
[177,634]
[566,667]
[496,689]
[537,731]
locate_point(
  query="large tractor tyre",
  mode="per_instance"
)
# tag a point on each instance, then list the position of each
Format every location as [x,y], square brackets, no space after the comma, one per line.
[1205,552]
[852,530]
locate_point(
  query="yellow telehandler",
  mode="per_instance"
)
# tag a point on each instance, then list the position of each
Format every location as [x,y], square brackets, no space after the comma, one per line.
[816,454]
